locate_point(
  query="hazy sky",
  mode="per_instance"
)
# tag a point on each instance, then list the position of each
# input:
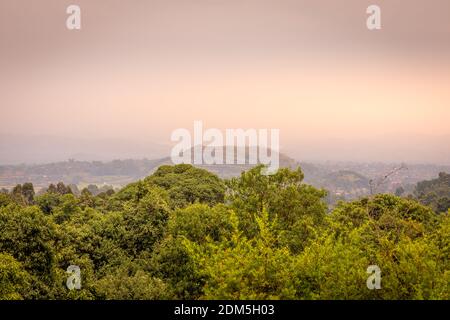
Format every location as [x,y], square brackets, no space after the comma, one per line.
[137,70]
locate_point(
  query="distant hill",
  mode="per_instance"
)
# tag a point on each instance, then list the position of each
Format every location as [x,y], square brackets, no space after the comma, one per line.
[343,180]
[347,183]
[82,173]
[116,173]
[435,193]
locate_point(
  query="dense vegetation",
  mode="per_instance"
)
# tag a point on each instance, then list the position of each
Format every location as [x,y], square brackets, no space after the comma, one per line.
[183,233]
[435,193]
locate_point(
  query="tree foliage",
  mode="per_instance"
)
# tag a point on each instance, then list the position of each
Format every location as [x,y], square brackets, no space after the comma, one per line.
[435,193]
[183,233]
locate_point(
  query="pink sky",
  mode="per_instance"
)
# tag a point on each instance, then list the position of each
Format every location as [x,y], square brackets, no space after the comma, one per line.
[140,69]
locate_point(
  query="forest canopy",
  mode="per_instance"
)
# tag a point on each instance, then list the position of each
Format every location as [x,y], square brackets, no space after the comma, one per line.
[184,233]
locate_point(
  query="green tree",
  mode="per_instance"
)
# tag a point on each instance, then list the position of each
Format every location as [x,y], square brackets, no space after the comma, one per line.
[171,261]
[15,282]
[435,193]
[28,193]
[242,268]
[186,184]
[145,221]
[29,236]
[128,284]
[298,208]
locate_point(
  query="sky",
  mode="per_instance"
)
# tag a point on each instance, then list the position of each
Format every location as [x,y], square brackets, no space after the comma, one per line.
[138,70]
